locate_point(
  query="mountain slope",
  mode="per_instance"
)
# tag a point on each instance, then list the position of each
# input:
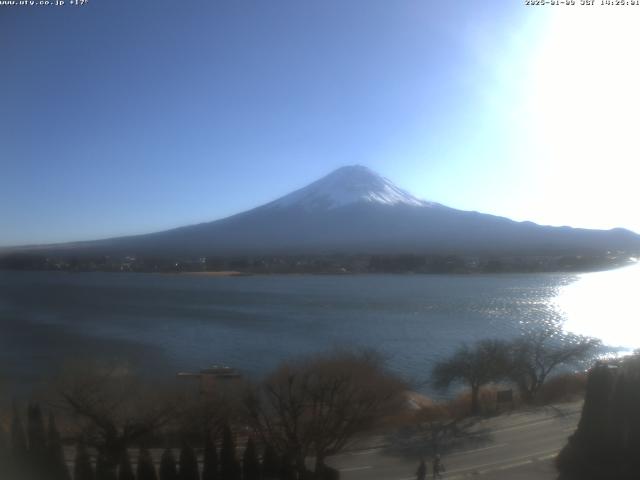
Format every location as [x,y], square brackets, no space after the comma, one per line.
[354,210]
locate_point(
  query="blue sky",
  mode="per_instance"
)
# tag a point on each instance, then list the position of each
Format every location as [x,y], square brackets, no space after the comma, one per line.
[125,117]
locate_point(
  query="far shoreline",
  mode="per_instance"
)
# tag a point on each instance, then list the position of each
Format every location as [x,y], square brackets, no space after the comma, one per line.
[220,273]
[327,264]
[235,273]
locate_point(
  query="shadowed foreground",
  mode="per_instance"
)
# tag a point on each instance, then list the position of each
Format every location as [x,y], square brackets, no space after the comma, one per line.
[607,441]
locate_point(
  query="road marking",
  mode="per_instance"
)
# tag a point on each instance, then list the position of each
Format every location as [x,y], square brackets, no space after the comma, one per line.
[520,427]
[355,469]
[366,452]
[515,462]
[464,452]
[548,457]
[518,464]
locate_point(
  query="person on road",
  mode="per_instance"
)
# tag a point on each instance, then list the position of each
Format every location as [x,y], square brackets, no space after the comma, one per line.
[438,467]
[421,473]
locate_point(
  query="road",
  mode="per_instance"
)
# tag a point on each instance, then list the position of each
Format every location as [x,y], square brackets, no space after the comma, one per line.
[516,446]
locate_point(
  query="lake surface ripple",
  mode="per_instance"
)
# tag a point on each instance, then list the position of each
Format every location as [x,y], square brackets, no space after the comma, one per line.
[170,323]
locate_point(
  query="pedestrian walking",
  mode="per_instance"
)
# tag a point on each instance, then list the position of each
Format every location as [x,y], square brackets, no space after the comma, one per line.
[438,467]
[421,473]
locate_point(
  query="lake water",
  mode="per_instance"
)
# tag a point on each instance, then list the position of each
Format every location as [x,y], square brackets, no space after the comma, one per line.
[169,323]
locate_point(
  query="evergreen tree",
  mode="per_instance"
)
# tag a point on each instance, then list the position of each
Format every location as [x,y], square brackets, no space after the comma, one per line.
[19,452]
[82,470]
[37,439]
[57,465]
[168,469]
[146,470]
[250,462]
[287,470]
[125,471]
[188,464]
[3,444]
[270,464]
[229,466]
[18,439]
[4,455]
[103,470]
[210,463]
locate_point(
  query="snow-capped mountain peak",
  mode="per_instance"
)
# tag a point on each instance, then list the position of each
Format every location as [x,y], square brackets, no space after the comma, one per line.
[346,186]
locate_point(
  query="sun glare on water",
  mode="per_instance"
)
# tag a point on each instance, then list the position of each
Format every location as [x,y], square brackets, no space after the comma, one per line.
[604,305]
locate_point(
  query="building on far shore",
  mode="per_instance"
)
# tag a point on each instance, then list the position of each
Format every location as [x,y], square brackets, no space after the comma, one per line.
[209,379]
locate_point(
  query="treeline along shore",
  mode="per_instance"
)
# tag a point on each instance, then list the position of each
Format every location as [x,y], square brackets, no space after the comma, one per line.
[320,264]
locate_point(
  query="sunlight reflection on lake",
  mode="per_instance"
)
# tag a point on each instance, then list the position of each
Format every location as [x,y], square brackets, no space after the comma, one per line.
[168,323]
[604,305]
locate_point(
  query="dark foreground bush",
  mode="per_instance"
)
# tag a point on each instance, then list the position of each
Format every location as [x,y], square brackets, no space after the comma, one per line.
[606,444]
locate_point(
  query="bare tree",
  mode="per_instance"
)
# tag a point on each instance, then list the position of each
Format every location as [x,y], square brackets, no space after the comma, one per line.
[203,414]
[114,409]
[474,366]
[535,355]
[315,406]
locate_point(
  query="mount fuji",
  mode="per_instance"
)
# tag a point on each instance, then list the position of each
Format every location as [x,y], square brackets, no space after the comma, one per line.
[353,210]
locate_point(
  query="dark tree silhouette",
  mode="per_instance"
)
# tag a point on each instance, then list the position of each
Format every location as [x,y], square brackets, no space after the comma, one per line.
[535,355]
[4,455]
[38,458]
[125,470]
[168,467]
[19,451]
[146,469]
[103,470]
[250,462]
[475,366]
[83,470]
[316,405]
[421,472]
[188,463]
[270,463]
[287,468]
[210,462]
[18,440]
[229,465]
[57,465]
[116,409]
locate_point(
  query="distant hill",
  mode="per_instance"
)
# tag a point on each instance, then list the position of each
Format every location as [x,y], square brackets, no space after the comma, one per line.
[353,210]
